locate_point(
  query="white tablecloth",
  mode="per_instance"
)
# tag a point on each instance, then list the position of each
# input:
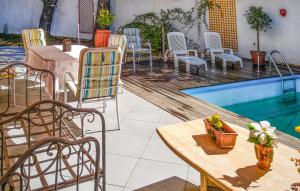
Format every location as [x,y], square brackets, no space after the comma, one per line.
[54,59]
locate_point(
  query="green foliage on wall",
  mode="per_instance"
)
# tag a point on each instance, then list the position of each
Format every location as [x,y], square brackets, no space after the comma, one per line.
[155,26]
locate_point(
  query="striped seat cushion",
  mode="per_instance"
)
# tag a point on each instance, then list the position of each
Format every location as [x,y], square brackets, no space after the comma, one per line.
[133,38]
[98,73]
[117,40]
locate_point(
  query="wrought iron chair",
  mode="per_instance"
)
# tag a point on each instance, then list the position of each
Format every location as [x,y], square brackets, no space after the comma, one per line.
[99,77]
[31,79]
[178,47]
[23,175]
[33,37]
[51,152]
[134,45]
[10,76]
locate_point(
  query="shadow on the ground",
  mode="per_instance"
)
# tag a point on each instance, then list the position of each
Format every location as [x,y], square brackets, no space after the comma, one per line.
[171,184]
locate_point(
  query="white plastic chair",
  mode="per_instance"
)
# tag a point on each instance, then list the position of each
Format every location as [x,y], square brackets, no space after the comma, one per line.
[213,44]
[178,48]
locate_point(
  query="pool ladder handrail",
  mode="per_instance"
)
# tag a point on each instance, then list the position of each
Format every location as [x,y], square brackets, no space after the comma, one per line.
[284,61]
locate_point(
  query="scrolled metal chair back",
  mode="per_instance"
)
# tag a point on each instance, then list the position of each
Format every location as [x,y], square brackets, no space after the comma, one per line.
[21,176]
[32,80]
[55,118]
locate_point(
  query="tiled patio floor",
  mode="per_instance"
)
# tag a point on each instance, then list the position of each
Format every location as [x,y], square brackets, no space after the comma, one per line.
[136,157]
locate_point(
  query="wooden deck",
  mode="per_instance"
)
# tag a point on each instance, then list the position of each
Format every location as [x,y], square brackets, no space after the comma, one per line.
[162,87]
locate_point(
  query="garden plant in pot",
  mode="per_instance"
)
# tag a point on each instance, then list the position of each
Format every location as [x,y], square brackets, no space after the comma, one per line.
[104,20]
[219,132]
[260,21]
[263,136]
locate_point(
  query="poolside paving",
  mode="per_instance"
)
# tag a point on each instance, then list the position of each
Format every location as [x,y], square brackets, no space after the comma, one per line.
[136,157]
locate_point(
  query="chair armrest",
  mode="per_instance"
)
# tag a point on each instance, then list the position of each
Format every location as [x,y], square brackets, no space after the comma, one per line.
[148,45]
[228,50]
[195,52]
[132,46]
[69,77]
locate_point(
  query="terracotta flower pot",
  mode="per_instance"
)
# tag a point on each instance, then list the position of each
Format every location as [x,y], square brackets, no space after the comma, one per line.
[258,57]
[264,156]
[102,38]
[224,140]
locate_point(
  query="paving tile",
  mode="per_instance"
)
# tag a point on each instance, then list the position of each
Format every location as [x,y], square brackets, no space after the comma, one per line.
[125,145]
[193,176]
[169,184]
[148,172]
[155,136]
[137,128]
[119,169]
[113,188]
[168,119]
[157,150]
[145,114]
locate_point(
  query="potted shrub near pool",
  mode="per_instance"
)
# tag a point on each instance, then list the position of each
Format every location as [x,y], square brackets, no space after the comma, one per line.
[260,21]
[219,132]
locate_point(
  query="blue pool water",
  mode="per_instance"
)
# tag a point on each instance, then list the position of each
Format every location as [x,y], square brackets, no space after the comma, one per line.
[257,100]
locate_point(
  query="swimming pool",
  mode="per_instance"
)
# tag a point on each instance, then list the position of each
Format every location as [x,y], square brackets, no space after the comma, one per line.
[257,100]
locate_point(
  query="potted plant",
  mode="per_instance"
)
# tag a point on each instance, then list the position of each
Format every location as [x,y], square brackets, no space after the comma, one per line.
[104,20]
[220,132]
[261,22]
[263,136]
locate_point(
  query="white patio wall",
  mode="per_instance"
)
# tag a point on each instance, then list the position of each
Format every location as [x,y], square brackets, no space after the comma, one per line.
[284,36]
[20,14]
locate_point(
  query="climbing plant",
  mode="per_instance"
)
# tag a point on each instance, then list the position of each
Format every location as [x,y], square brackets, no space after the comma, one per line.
[155,26]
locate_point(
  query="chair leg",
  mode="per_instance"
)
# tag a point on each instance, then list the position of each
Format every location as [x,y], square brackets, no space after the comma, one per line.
[117,111]
[241,62]
[224,62]
[205,65]
[133,60]
[13,88]
[81,118]
[188,67]
[151,60]
[65,94]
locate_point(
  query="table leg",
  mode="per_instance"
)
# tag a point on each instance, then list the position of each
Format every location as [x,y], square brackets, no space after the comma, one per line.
[204,182]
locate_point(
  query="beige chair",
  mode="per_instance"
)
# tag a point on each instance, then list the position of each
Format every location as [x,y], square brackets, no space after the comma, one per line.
[98,77]
[33,37]
[115,41]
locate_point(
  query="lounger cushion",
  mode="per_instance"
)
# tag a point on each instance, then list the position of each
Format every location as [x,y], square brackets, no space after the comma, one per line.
[192,60]
[228,57]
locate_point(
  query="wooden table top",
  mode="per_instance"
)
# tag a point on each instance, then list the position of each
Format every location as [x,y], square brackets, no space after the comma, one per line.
[230,169]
